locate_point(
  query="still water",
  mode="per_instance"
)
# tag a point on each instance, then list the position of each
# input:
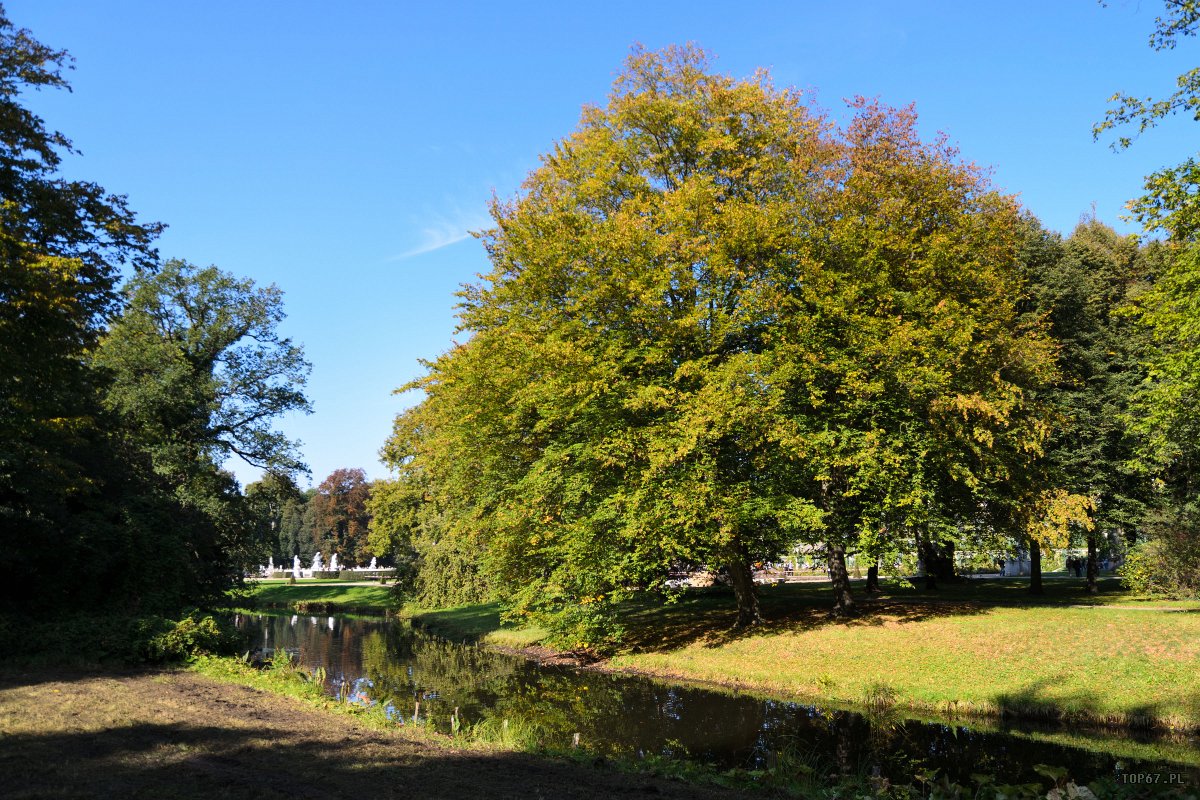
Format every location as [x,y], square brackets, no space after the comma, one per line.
[415,674]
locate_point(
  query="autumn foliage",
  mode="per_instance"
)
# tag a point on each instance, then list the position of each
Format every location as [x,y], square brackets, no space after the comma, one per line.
[717,325]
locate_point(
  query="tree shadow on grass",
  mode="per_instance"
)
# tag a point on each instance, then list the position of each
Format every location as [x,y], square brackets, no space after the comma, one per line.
[709,616]
[18,674]
[185,761]
[1044,700]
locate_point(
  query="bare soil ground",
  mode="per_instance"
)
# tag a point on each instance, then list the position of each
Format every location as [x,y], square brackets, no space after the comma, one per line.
[175,734]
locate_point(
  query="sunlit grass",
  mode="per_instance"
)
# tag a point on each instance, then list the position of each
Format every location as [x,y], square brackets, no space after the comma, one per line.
[972,648]
[475,623]
[337,597]
[983,647]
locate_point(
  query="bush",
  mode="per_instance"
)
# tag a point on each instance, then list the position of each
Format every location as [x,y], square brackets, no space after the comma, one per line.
[194,636]
[106,639]
[1169,562]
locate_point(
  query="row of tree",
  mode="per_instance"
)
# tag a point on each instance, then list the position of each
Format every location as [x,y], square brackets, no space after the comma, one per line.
[719,324]
[331,518]
[119,401]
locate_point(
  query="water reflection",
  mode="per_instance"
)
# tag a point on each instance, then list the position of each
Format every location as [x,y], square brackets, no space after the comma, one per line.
[423,678]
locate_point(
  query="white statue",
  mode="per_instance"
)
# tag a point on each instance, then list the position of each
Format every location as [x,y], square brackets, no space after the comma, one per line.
[372,563]
[296,567]
[318,564]
[333,565]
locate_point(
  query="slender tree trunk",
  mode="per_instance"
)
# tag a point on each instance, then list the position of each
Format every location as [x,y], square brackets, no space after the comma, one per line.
[873,577]
[927,557]
[1093,563]
[843,599]
[1035,568]
[743,589]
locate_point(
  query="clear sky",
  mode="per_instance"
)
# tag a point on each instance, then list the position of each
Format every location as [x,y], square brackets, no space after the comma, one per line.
[344,150]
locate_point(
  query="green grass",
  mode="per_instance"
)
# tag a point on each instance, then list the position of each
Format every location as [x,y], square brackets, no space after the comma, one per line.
[974,648]
[1112,666]
[475,623]
[332,597]
[981,647]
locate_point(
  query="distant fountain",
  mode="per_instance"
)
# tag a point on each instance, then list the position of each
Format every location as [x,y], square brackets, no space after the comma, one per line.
[318,564]
[296,567]
[333,563]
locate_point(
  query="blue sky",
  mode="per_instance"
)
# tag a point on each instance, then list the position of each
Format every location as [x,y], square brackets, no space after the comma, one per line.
[344,150]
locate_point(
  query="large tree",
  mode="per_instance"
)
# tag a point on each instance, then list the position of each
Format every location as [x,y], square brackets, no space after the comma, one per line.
[340,516]
[198,366]
[271,503]
[65,485]
[195,371]
[1083,286]
[117,409]
[716,326]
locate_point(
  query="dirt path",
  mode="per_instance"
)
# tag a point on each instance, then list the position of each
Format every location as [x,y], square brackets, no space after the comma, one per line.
[180,735]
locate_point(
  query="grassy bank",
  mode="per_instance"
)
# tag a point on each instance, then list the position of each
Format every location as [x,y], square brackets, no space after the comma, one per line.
[793,775]
[978,648]
[323,596]
[475,623]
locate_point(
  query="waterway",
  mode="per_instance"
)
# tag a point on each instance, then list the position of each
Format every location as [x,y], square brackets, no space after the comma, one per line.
[424,679]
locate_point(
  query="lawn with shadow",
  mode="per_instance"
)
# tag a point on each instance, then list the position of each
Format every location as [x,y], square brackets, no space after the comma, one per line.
[982,647]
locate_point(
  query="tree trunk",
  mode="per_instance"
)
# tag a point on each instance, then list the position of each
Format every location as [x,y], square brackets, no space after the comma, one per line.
[1093,563]
[743,589]
[938,558]
[925,559]
[843,599]
[845,742]
[943,561]
[1035,568]
[873,577]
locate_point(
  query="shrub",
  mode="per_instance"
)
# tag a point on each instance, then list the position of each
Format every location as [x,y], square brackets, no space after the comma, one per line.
[109,638]
[1169,562]
[193,636]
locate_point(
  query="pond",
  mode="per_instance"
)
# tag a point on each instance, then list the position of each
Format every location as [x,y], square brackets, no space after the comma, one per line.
[424,679]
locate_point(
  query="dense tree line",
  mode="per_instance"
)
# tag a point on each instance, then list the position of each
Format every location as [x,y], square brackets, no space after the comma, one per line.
[1164,412]
[718,325]
[119,402]
[331,518]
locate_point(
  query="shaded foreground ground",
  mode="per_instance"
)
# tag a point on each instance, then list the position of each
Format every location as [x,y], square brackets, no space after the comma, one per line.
[73,734]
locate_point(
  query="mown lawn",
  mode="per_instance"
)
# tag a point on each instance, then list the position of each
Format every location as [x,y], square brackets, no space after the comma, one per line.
[476,623]
[981,647]
[337,596]
[1113,665]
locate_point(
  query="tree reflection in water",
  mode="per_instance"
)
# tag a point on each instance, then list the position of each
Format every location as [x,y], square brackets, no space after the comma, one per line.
[399,666]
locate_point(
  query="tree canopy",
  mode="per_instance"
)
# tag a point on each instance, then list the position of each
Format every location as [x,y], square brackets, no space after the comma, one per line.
[1162,411]
[197,364]
[716,325]
[118,407]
